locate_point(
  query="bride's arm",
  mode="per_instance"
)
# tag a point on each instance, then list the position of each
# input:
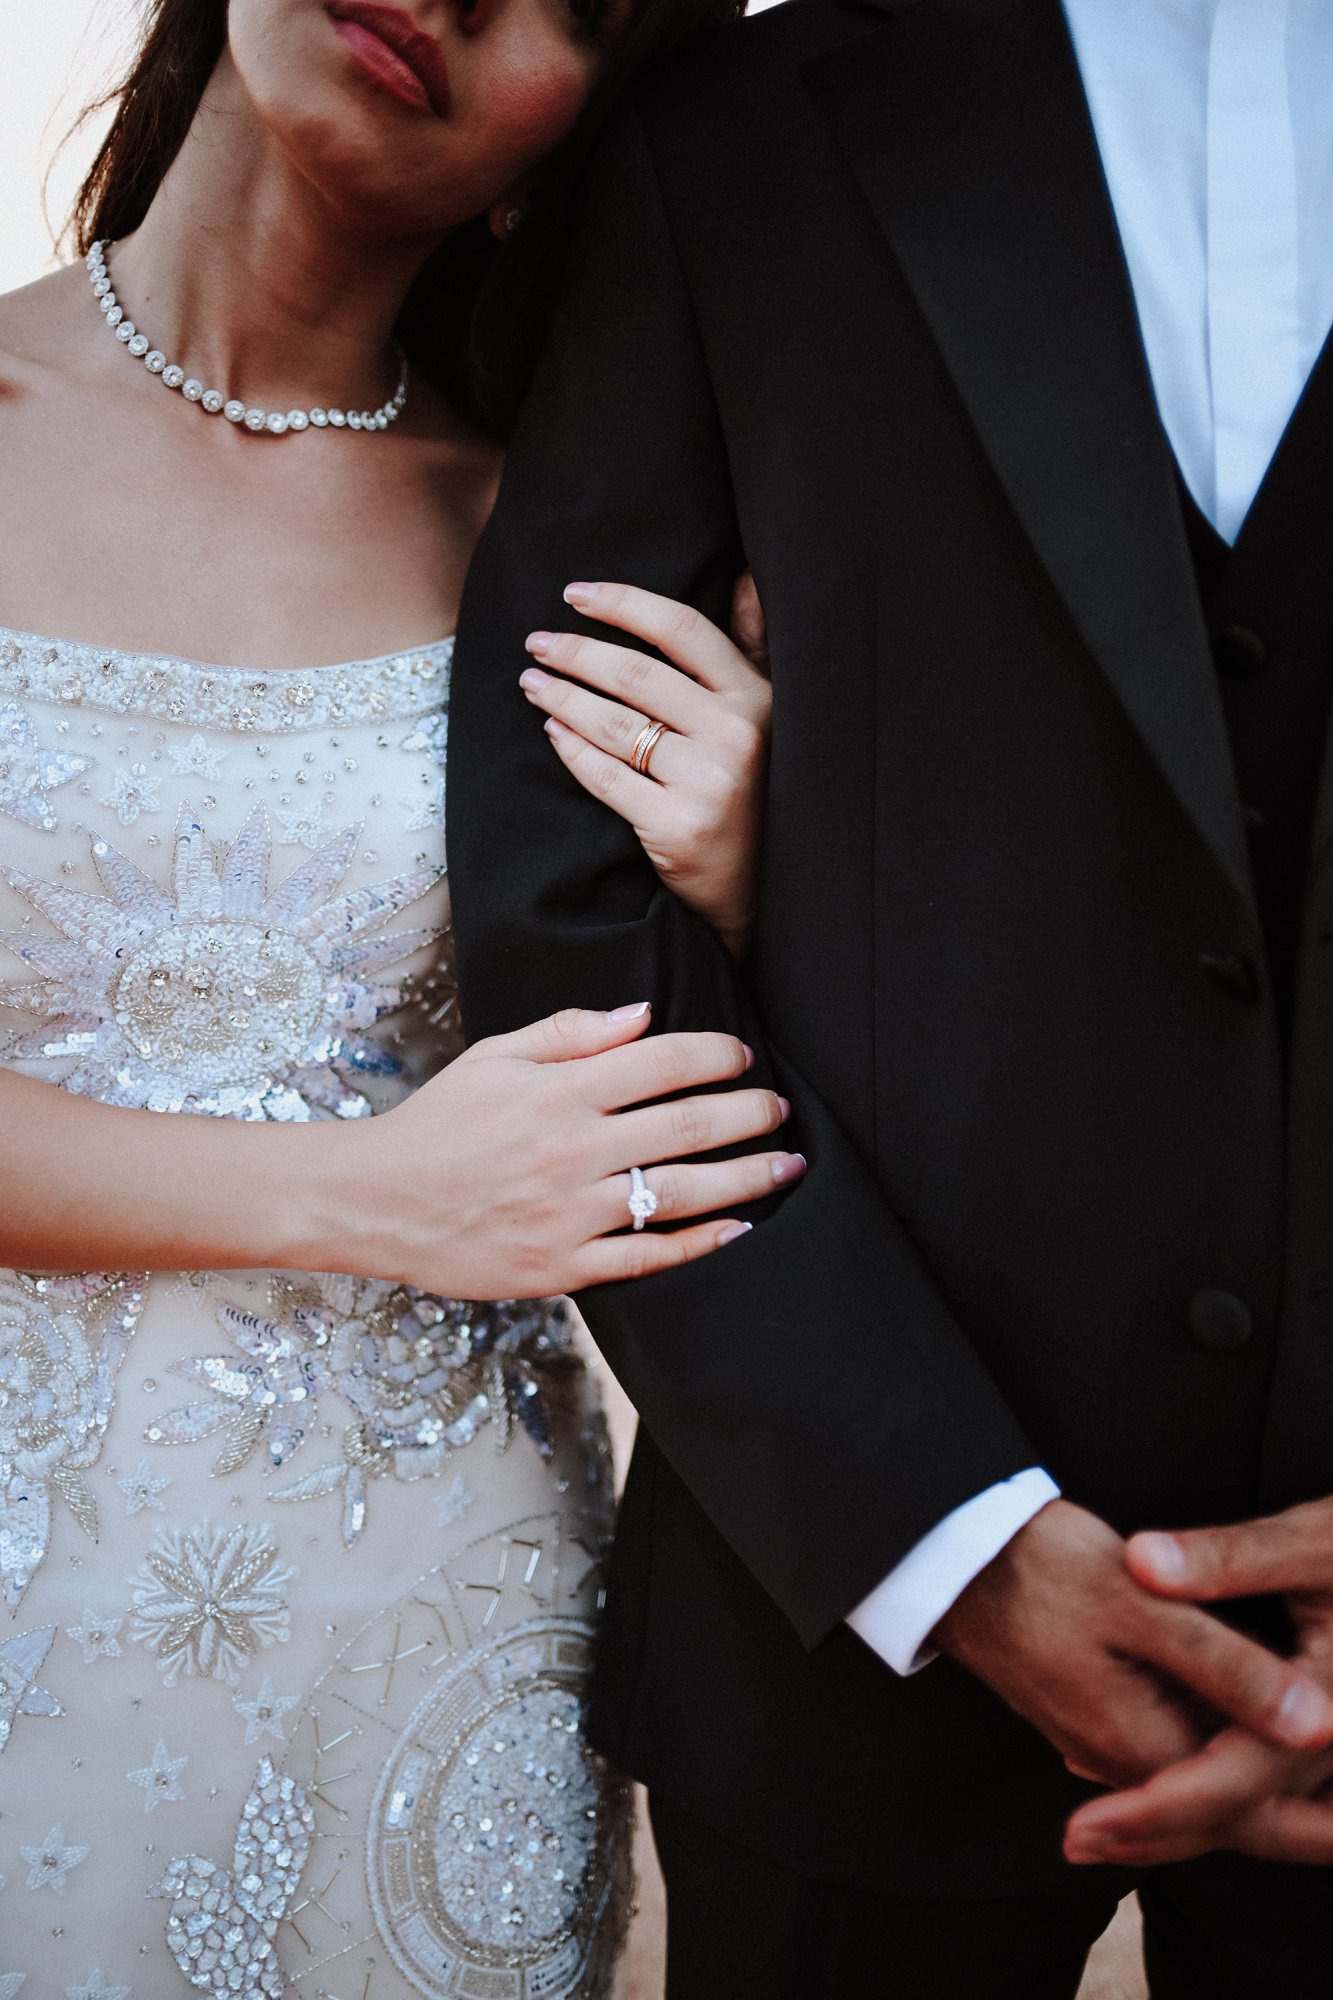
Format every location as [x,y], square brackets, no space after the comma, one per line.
[500,1178]
[699,808]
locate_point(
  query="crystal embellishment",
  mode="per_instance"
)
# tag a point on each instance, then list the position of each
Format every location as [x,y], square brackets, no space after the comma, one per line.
[29,773]
[399,686]
[218,995]
[223,1925]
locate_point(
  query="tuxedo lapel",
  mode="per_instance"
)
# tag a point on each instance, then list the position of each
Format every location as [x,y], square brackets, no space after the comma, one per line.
[966,126]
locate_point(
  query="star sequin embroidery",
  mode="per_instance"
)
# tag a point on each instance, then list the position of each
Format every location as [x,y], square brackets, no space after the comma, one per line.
[133,792]
[207,1599]
[97,1636]
[303,826]
[21,1660]
[142,1488]
[49,1864]
[160,1780]
[196,759]
[218,996]
[10,1982]
[453,1503]
[263,1716]
[29,773]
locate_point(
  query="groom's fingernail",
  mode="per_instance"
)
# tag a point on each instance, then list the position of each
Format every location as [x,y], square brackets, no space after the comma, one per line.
[580,594]
[635,1011]
[1166,1558]
[1306,1715]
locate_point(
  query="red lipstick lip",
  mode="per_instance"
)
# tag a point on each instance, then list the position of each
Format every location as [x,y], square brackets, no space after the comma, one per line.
[400,34]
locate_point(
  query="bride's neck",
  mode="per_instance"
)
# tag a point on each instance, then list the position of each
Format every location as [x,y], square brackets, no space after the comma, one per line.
[242,273]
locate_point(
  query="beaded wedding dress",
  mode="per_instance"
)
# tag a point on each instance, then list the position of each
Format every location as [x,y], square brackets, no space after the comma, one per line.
[298,1573]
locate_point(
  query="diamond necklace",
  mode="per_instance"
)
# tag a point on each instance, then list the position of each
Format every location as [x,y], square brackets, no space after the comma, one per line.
[274,422]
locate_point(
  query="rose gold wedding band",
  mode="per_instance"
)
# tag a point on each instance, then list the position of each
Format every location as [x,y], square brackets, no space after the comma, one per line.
[645,746]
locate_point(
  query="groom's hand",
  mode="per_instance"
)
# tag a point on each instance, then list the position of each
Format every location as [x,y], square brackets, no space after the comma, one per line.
[1120,1681]
[1236,1792]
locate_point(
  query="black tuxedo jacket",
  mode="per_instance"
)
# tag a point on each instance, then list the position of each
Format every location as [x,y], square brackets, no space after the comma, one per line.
[848,305]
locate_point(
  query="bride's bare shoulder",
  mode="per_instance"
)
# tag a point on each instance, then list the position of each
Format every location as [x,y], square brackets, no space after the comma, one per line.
[34,325]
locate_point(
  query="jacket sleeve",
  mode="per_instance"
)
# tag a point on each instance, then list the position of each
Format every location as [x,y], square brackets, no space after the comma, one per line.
[808,1383]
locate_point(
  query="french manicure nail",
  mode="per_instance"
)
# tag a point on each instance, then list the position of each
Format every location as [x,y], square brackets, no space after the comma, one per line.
[1306,1715]
[580,594]
[539,644]
[553,728]
[533,678]
[749,1055]
[635,1011]
[734,1232]
[784,1105]
[788,1167]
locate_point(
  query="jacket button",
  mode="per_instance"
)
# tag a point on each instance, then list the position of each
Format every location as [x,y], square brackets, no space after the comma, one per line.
[1239,653]
[1233,971]
[1220,1321]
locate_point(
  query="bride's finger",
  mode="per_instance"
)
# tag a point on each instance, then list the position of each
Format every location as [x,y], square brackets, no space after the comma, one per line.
[641,682]
[691,1125]
[607,724]
[608,778]
[684,1191]
[686,637]
[609,1260]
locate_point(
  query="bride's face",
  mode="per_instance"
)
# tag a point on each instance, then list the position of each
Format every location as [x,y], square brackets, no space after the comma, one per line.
[413,115]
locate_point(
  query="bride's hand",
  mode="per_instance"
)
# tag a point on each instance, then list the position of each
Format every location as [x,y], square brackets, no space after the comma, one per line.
[508,1174]
[697,799]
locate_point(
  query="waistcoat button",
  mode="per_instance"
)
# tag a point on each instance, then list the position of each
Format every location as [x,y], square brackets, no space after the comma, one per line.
[1239,653]
[1220,1321]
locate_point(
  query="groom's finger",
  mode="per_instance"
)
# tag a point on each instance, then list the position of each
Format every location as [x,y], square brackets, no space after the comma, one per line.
[1280,1552]
[1186,1809]
[1266,1695]
[1296,1831]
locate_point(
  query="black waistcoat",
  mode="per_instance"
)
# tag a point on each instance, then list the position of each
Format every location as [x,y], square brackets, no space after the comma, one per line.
[1269,606]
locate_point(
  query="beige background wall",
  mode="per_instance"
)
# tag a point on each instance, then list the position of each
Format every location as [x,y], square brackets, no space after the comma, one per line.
[55,56]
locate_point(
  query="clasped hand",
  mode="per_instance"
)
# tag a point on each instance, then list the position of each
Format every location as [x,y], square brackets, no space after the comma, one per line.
[1237,1790]
[1098,1644]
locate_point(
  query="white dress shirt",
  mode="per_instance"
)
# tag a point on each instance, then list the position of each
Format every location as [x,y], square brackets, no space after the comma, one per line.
[1214,119]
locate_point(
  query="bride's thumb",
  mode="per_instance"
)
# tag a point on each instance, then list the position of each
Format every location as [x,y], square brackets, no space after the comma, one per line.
[578,1031]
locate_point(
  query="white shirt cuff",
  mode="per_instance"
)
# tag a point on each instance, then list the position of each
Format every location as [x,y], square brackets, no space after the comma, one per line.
[900,1614]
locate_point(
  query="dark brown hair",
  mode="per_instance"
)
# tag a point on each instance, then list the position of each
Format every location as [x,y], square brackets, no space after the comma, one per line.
[475,316]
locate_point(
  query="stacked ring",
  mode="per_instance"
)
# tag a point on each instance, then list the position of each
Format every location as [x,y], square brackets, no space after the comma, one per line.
[645,746]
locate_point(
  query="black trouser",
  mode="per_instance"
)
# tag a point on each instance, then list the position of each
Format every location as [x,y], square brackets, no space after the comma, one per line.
[743,1928]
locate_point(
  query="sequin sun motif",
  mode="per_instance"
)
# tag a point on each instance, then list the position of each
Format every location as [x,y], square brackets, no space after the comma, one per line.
[219,996]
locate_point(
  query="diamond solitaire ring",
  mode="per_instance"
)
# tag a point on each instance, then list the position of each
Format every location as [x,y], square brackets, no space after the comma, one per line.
[642,1200]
